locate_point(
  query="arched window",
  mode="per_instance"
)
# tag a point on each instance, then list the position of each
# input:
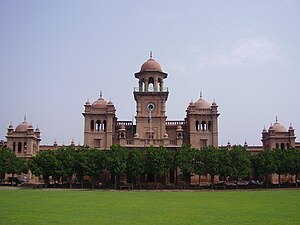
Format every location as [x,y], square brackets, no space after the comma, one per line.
[203,125]
[179,135]
[104,125]
[197,125]
[160,87]
[287,145]
[151,84]
[92,125]
[277,145]
[98,125]
[282,146]
[19,147]
[209,125]
[143,84]
[14,147]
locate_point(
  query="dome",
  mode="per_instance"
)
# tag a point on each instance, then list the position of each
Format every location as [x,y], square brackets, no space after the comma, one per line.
[151,65]
[202,104]
[100,103]
[23,127]
[277,127]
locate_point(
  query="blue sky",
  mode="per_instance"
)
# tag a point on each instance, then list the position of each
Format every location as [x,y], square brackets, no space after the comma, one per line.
[54,55]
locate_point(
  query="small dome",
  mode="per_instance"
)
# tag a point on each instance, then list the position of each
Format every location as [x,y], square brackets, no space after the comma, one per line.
[100,103]
[37,130]
[277,127]
[202,104]
[87,102]
[23,127]
[110,103]
[151,65]
[11,126]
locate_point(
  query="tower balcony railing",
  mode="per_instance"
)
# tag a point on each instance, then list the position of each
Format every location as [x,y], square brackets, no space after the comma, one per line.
[151,89]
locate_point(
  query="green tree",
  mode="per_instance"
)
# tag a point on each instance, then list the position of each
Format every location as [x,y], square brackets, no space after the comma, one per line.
[158,161]
[240,162]
[265,164]
[184,158]
[198,164]
[210,162]
[294,163]
[224,161]
[117,162]
[96,161]
[67,157]
[135,165]
[282,162]
[9,163]
[81,164]
[45,163]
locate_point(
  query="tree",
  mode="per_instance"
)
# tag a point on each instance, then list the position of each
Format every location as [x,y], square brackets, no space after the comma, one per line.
[282,162]
[9,163]
[135,164]
[240,162]
[198,164]
[96,164]
[67,157]
[158,161]
[184,160]
[116,162]
[224,161]
[210,162]
[294,163]
[81,164]
[265,164]
[45,163]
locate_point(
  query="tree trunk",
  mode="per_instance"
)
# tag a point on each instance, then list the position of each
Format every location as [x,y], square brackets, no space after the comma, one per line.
[199,180]
[237,183]
[279,180]
[267,181]
[212,177]
[156,185]
[116,182]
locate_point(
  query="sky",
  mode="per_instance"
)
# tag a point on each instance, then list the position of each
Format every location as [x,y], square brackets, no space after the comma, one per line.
[54,55]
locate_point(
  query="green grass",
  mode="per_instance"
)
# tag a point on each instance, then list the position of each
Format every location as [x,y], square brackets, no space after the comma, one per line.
[131,207]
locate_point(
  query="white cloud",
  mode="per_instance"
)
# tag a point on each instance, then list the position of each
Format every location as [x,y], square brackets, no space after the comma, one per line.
[251,52]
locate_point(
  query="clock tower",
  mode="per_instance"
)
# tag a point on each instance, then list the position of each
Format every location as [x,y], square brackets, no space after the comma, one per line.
[151,97]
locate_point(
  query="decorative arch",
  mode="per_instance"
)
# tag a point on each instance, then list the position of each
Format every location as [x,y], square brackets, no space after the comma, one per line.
[203,125]
[98,125]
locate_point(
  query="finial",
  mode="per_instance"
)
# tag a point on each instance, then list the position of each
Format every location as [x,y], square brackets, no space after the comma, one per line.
[150,54]
[276,119]
[100,94]
[24,118]
[200,94]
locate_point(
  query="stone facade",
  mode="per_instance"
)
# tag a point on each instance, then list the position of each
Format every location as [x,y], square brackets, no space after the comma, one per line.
[199,128]
[24,141]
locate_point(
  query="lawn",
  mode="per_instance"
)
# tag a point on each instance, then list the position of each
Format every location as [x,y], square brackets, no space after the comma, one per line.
[149,207]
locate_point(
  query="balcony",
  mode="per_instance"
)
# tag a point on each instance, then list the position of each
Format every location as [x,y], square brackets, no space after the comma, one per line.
[150,89]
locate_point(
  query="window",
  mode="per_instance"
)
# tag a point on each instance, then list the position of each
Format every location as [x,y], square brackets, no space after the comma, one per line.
[197,125]
[203,125]
[92,125]
[209,125]
[98,125]
[14,147]
[19,147]
[104,125]
[282,146]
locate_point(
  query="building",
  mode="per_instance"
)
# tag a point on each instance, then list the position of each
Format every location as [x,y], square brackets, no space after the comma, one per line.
[102,128]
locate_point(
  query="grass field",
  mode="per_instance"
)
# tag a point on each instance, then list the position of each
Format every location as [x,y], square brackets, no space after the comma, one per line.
[137,207]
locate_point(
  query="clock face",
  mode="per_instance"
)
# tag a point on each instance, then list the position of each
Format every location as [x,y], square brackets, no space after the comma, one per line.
[150,106]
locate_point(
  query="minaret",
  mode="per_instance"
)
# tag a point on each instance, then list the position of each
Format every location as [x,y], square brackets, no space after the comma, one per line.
[151,96]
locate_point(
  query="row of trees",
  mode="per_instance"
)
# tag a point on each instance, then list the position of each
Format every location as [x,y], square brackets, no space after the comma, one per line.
[236,163]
